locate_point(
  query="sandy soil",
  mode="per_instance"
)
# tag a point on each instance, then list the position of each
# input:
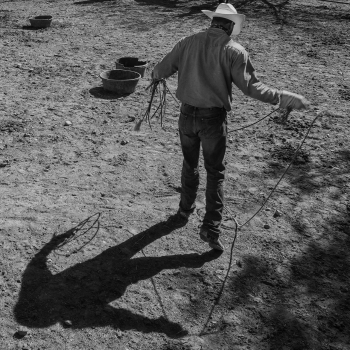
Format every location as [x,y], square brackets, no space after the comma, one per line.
[92,256]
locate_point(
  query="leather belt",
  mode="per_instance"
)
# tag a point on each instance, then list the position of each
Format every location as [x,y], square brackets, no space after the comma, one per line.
[187,106]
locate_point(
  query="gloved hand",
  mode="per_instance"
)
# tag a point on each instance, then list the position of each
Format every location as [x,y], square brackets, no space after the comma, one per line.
[290,100]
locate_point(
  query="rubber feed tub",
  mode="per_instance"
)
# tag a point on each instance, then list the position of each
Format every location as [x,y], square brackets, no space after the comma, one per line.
[133,64]
[41,21]
[120,81]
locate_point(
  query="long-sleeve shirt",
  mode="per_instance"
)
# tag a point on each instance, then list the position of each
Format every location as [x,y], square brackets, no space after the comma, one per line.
[207,64]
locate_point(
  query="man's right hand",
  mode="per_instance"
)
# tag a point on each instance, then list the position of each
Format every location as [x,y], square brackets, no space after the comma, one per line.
[290,100]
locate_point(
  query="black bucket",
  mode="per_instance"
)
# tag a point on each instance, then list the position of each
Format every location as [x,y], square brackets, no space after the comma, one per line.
[120,81]
[41,21]
[133,64]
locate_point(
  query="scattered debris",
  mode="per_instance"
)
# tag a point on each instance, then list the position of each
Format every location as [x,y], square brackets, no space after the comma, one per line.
[4,163]
[67,323]
[21,333]
[277,214]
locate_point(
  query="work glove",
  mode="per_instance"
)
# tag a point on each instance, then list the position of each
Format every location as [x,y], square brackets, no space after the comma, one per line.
[290,100]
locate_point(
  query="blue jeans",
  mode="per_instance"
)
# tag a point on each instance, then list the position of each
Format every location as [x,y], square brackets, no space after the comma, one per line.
[206,126]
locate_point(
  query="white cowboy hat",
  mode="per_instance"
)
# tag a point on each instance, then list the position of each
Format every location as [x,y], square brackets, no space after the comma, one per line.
[229,12]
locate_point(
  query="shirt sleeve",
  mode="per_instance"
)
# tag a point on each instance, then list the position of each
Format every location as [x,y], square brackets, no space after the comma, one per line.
[169,64]
[244,77]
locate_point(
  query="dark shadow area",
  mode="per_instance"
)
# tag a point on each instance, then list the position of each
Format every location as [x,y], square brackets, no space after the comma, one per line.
[100,92]
[254,272]
[31,28]
[165,3]
[252,9]
[316,21]
[325,272]
[289,332]
[304,174]
[241,287]
[322,274]
[82,293]
[345,155]
[89,2]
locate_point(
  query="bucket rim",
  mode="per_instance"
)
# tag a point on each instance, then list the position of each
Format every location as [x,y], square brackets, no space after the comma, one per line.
[42,18]
[137,77]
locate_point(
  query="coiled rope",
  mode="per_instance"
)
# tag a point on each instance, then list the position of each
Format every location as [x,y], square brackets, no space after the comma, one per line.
[161,107]
[238,226]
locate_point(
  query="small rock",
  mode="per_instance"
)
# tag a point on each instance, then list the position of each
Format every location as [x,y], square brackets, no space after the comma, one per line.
[22,332]
[266,226]
[228,320]
[193,298]
[277,214]
[67,323]
[124,142]
[67,123]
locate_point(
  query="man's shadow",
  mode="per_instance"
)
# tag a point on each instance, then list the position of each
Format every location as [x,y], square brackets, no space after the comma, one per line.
[81,293]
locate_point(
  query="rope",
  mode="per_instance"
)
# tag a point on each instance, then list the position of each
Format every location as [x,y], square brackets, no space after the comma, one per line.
[258,121]
[231,215]
[238,226]
[284,173]
[337,2]
[77,232]
[284,117]
[162,104]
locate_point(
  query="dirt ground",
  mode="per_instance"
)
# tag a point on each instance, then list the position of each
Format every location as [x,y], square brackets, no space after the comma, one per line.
[92,256]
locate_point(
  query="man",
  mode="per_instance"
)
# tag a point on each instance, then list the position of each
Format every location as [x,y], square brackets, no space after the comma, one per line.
[207,64]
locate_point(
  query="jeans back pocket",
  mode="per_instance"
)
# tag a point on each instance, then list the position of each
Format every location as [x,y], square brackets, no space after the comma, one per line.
[214,127]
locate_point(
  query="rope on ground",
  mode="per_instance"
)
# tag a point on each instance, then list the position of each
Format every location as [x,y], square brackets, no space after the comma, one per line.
[337,2]
[83,228]
[238,226]
[153,86]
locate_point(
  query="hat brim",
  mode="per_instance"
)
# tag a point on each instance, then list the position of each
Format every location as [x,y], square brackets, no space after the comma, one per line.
[236,18]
